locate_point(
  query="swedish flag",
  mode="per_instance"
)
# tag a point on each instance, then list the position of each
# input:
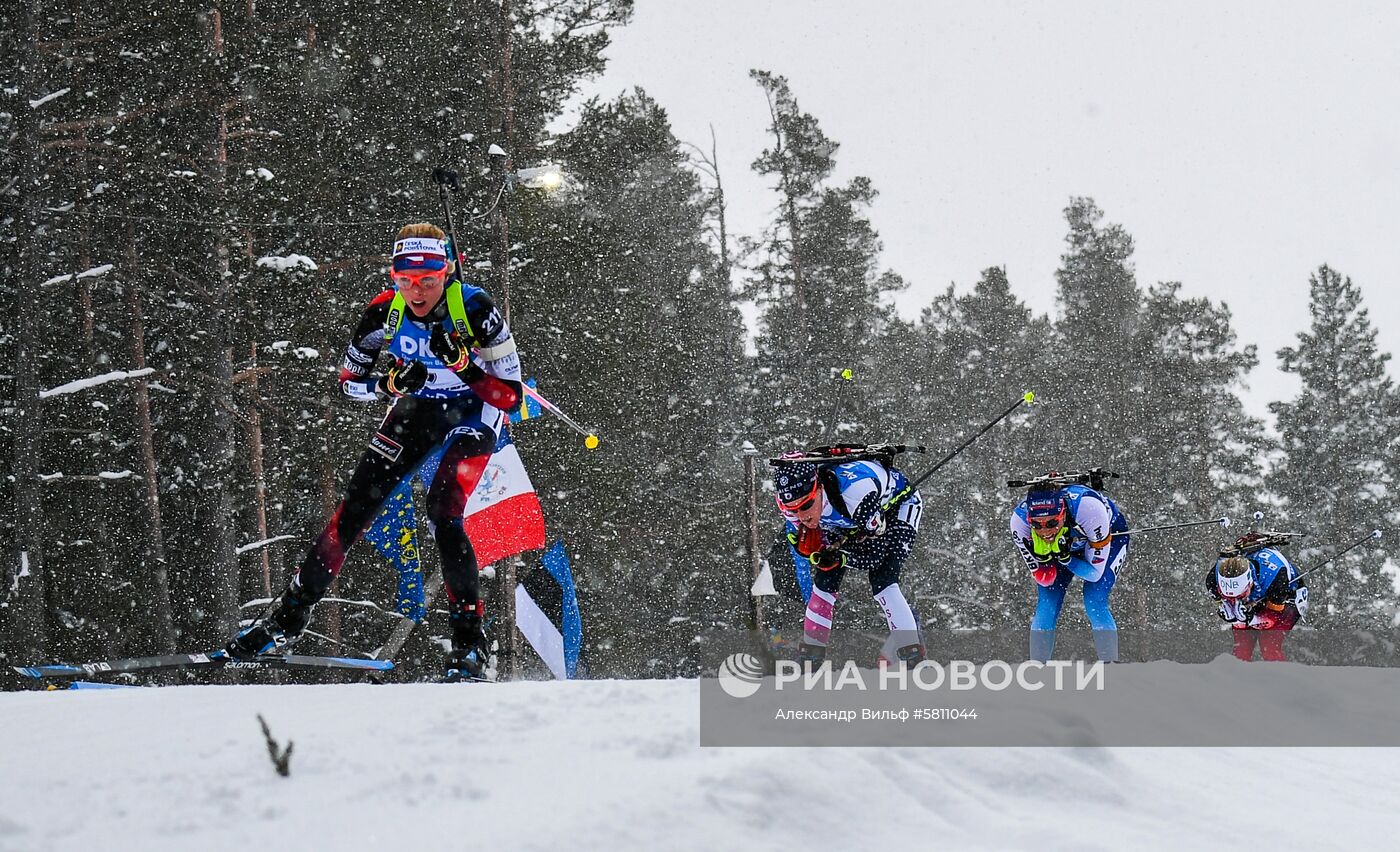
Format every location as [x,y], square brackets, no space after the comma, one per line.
[528,406]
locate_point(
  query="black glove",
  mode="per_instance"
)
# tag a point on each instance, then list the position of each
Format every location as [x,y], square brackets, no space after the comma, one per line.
[1234,611]
[404,378]
[447,347]
[826,560]
[1060,558]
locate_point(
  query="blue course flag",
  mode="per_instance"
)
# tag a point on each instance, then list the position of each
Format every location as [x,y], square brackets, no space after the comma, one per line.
[556,562]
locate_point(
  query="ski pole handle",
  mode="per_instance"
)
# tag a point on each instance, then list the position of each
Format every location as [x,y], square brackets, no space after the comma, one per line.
[448,183]
[1223,521]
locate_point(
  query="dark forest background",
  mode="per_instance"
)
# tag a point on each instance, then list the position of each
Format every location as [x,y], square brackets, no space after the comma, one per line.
[204,195]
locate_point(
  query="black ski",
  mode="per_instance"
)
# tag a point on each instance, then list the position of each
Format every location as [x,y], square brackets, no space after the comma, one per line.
[457,676]
[212,659]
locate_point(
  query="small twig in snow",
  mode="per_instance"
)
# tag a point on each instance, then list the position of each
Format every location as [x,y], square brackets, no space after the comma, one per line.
[280,761]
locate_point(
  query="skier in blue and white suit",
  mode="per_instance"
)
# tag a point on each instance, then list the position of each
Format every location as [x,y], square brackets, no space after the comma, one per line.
[840,519]
[1065,533]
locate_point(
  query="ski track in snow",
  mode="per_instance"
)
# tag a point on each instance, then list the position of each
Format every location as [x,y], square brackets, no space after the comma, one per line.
[616,764]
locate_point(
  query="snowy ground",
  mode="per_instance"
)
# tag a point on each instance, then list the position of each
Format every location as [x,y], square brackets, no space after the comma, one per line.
[616,765]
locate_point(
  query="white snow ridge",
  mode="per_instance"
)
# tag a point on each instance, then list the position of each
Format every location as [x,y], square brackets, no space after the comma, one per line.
[615,765]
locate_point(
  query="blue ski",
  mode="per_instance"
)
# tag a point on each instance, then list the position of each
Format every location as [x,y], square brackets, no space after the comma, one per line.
[212,659]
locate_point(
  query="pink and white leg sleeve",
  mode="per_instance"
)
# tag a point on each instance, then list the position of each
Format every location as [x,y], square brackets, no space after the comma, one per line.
[821,609]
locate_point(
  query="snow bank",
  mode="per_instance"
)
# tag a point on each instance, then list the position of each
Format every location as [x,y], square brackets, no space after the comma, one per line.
[616,765]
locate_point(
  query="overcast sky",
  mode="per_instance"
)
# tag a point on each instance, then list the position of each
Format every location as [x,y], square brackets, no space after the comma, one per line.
[1240,144]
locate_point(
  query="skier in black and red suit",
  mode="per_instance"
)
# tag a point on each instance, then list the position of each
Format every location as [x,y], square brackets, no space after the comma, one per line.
[455,370]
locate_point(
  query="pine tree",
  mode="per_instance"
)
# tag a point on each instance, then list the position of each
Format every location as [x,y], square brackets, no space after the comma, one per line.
[817,281]
[1203,454]
[1094,382]
[1339,435]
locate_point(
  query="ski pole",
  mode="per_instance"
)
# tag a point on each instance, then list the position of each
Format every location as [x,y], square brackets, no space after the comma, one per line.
[447,180]
[1372,535]
[1026,399]
[1223,521]
[845,376]
[590,439]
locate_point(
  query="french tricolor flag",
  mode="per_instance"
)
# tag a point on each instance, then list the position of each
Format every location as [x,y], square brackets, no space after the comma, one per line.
[503,515]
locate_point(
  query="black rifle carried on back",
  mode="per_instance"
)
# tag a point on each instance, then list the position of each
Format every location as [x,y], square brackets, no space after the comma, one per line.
[1094,477]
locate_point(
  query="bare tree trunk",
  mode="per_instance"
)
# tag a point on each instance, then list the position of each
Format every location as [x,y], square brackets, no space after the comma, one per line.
[507,84]
[98,513]
[277,553]
[709,164]
[155,533]
[223,566]
[500,248]
[500,259]
[24,592]
[751,543]
[726,265]
[1140,599]
[255,450]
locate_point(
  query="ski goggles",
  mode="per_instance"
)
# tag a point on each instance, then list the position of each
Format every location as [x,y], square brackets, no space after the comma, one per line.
[419,277]
[1048,523]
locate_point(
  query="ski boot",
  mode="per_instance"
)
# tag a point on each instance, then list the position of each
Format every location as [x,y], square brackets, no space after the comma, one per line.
[277,629]
[912,655]
[471,653]
[811,657]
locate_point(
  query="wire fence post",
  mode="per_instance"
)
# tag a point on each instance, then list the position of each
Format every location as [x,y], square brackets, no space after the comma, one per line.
[751,510]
